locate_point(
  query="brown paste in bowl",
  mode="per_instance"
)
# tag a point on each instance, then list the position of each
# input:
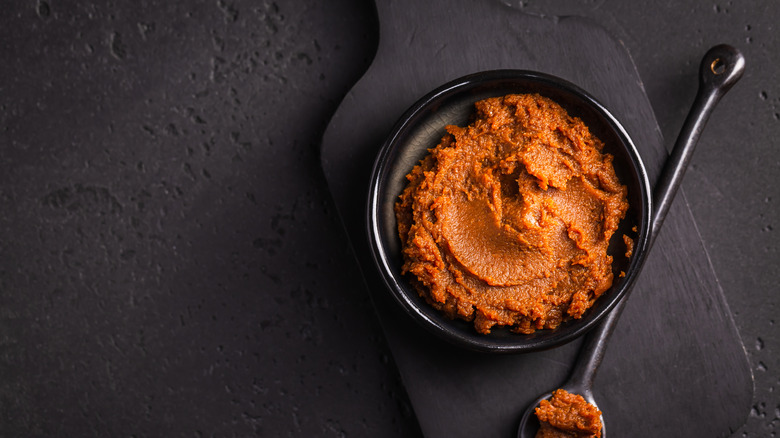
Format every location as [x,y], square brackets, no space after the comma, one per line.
[507,221]
[568,415]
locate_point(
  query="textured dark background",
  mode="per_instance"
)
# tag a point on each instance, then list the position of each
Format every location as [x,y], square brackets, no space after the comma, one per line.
[171,263]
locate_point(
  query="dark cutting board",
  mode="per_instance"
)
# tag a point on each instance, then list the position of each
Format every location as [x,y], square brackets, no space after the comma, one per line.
[675,366]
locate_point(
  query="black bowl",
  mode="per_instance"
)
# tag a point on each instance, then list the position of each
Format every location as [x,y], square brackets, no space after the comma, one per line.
[422,127]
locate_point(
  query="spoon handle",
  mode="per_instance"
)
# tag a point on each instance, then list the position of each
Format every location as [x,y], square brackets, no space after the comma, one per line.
[720,68]
[592,350]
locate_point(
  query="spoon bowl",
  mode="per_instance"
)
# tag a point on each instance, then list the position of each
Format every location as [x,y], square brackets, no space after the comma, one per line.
[529,424]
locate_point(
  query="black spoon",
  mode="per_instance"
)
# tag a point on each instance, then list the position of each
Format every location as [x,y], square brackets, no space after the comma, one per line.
[720,69]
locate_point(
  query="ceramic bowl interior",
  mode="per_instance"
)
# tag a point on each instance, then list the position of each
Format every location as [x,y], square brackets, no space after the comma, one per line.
[422,127]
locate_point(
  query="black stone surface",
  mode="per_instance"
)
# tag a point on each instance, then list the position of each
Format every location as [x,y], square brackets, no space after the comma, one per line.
[170,260]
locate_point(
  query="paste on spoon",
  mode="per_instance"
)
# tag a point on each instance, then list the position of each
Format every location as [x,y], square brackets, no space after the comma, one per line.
[568,415]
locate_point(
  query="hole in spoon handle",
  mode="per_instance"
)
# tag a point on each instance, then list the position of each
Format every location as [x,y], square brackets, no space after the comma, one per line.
[721,67]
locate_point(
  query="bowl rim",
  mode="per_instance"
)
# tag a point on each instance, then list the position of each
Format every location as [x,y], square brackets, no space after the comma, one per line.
[442,327]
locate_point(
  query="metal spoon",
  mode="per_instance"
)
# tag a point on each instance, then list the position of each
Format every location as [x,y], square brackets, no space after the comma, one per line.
[720,69]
